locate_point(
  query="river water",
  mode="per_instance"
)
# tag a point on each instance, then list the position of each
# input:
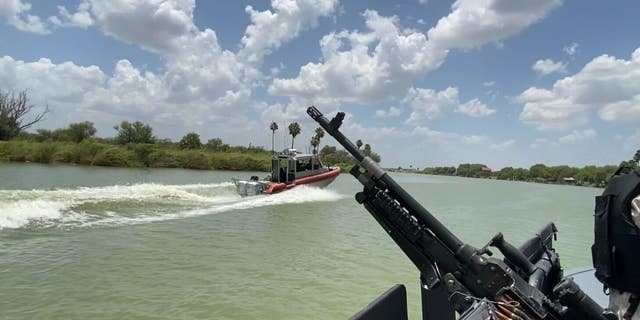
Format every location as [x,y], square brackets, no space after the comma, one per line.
[110,243]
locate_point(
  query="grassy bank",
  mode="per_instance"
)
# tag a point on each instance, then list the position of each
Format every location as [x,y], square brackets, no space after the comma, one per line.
[94,153]
[588,176]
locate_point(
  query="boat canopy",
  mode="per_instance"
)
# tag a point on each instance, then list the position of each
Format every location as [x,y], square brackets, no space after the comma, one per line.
[290,165]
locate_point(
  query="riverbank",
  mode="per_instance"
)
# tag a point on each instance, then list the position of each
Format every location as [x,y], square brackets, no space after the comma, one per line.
[99,153]
[587,176]
[94,153]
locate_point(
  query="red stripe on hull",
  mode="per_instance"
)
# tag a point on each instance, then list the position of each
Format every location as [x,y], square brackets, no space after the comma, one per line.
[321,180]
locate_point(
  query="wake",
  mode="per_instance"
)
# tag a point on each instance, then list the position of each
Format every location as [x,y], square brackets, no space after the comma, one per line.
[134,204]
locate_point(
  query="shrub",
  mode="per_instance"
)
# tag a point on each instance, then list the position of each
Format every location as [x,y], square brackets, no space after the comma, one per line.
[136,132]
[164,159]
[194,160]
[81,131]
[115,157]
[86,151]
[191,141]
[45,153]
[142,152]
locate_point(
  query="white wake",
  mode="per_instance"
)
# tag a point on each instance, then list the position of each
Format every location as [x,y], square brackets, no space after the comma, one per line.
[132,204]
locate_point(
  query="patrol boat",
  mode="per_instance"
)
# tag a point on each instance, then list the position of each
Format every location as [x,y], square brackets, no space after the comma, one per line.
[289,168]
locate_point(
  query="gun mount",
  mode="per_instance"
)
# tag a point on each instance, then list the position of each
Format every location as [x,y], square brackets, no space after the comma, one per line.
[455,276]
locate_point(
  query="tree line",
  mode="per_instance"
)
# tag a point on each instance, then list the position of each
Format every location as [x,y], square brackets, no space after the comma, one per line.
[135,144]
[595,176]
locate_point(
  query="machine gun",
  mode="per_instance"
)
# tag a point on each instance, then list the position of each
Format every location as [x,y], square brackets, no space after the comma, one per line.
[455,276]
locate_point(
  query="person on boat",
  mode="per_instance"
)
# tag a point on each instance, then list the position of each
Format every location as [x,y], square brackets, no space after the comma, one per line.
[616,248]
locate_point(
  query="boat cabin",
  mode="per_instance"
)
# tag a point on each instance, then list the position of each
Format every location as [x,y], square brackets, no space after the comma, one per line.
[290,165]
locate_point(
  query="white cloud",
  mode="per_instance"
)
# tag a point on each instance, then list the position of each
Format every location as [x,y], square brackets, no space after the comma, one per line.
[428,104]
[445,148]
[378,64]
[76,93]
[571,49]
[270,29]
[578,135]
[159,26]
[539,143]
[474,108]
[606,83]
[81,18]
[574,138]
[473,23]
[47,81]
[381,63]
[502,145]
[548,66]
[392,112]
[16,12]
[475,139]
[622,111]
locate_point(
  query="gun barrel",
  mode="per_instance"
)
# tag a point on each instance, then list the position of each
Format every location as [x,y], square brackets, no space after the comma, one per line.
[438,229]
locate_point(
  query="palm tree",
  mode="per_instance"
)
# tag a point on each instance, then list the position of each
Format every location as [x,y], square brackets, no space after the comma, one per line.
[319,135]
[367,150]
[273,127]
[315,141]
[294,130]
[359,143]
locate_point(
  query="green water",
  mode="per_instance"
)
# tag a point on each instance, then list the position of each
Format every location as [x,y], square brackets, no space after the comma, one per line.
[104,243]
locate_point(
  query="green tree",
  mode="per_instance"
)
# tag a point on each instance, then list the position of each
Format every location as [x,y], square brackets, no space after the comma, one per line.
[539,172]
[636,157]
[216,144]
[43,135]
[558,173]
[294,130]
[507,173]
[13,110]
[136,132]
[315,140]
[190,141]
[332,156]
[273,127]
[367,149]
[81,130]
[369,153]
[630,164]
[520,174]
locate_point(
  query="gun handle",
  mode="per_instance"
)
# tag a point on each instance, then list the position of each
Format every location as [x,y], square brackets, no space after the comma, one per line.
[512,253]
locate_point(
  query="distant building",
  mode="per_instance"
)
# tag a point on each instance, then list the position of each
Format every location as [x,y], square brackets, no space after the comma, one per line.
[570,180]
[486,169]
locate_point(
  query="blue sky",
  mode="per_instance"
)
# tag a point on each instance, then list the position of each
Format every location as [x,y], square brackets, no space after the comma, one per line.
[500,82]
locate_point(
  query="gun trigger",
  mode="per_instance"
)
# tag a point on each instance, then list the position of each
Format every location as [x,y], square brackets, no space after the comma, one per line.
[487,251]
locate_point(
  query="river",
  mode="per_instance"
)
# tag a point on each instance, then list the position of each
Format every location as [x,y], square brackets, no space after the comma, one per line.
[110,243]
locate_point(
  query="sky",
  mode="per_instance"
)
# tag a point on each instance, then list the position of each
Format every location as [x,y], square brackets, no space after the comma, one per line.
[424,82]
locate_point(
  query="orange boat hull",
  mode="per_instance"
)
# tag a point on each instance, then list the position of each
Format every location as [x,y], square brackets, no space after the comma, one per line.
[319,180]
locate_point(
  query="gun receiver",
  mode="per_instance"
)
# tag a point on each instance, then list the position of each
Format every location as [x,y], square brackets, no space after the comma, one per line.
[517,288]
